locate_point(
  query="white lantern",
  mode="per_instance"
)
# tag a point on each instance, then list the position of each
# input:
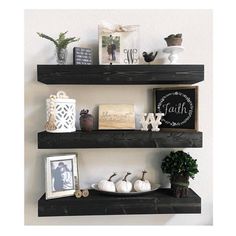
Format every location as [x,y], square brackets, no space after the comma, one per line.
[61,113]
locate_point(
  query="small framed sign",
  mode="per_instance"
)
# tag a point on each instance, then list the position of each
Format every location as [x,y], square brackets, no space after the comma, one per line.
[180,107]
[82,56]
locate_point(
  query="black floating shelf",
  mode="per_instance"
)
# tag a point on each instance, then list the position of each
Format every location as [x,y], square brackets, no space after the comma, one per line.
[158,202]
[120,74]
[119,139]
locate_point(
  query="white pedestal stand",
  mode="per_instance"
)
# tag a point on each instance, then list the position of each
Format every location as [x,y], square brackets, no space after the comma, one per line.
[173,51]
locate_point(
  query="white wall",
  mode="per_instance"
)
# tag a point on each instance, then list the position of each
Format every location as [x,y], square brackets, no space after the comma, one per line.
[94,164]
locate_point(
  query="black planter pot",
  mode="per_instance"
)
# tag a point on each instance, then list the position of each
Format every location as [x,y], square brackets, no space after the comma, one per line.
[179,186]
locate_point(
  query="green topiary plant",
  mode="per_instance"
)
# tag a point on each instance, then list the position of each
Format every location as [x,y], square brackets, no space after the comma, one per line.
[61,44]
[180,166]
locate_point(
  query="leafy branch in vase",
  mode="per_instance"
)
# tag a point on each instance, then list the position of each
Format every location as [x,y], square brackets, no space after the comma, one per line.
[62,41]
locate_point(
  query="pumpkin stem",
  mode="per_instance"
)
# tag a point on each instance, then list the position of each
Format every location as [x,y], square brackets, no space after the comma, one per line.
[111,176]
[144,172]
[128,173]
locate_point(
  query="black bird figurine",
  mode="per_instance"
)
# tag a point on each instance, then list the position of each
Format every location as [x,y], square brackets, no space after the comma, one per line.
[149,57]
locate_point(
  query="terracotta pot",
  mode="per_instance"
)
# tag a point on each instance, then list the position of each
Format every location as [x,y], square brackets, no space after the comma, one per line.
[179,186]
[86,121]
[173,41]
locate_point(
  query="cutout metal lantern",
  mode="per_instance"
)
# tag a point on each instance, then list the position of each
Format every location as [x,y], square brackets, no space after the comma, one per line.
[61,113]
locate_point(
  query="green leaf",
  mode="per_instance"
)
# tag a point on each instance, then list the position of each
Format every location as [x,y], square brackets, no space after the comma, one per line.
[48,37]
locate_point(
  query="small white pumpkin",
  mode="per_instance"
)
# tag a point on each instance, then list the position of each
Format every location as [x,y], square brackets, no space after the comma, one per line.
[142,185]
[124,186]
[107,185]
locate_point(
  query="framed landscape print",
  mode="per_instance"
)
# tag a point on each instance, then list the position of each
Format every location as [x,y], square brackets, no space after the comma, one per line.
[61,172]
[180,107]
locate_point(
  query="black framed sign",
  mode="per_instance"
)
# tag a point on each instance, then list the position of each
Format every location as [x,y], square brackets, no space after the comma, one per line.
[180,107]
[82,56]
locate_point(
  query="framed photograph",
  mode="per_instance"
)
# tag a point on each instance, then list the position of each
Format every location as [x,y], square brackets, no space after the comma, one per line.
[61,172]
[180,107]
[109,45]
[116,116]
[119,47]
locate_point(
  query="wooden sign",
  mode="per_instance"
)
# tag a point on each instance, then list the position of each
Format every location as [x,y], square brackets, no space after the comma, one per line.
[179,105]
[117,116]
[82,56]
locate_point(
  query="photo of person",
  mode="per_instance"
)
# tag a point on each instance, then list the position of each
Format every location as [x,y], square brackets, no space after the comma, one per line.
[110,49]
[62,175]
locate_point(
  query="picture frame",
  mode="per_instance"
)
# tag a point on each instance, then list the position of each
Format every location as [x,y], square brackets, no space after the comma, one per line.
[60,174]
[109,48]
[119,45]
[180,107]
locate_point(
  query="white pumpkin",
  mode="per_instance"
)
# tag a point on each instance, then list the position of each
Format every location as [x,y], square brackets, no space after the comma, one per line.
[124,186]
[142,185]
[107,185]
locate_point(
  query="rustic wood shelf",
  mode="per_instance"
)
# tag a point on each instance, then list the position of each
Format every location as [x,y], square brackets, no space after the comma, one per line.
[158,202]
[119,139]
[120,74]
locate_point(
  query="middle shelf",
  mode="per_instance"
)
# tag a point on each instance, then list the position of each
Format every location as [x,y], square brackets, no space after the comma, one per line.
[119,139]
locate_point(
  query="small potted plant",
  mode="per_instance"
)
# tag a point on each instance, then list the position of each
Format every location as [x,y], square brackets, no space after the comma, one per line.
[174,40]
[61,45]
[180,166]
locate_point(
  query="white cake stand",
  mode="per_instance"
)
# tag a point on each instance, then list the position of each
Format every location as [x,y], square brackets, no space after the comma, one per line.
[173,51]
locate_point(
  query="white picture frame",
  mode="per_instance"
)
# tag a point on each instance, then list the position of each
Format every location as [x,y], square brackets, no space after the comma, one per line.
[119,47]
[109,54]
[60,174]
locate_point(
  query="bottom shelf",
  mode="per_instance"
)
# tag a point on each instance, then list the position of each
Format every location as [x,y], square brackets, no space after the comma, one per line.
[158,202]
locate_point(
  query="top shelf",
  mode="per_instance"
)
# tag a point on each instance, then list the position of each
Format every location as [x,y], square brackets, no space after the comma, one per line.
[120,74]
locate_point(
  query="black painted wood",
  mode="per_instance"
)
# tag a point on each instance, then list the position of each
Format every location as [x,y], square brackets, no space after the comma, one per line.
[120,74]
[184,118]
[158,202]
[119,139]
